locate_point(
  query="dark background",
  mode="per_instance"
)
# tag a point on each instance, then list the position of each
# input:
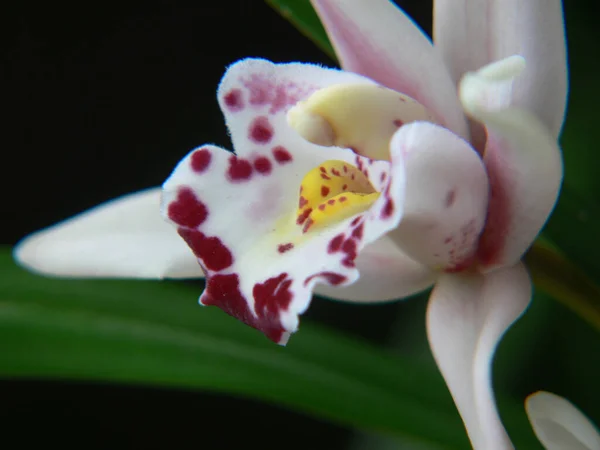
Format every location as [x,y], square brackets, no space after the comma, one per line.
[103,99]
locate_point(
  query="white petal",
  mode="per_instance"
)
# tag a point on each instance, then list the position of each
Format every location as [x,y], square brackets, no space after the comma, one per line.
[559,425]
[386,273]
[123,238]
[523,161]
[466,318]
[446,196]
[241,213]
[473,33]
[376,39]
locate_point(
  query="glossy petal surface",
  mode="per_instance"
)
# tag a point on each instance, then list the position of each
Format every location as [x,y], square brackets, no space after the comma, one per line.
[466,318]
[122,238]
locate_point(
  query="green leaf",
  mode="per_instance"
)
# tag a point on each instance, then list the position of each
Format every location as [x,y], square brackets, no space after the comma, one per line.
[155,333]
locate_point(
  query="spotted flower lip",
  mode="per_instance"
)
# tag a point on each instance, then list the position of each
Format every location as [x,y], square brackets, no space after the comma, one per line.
[470,185]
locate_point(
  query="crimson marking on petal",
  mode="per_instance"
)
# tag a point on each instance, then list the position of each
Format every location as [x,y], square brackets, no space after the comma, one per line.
[322,169]
[324,191]
[261,130]
[332,278]
[450,198]
[335,244]
[335,172]
[355,221]
[262,165]
[281,155]
[272,296]
[223,291]
[282,248]
[187,210]
[345,187]
[302,217]
[383,176]
[349,248]
[214,254]
[309,223]
[398,123]
[325,177]
[331,201]
[234,101]
[239,169]
[321,207]
[302,201]
[343,199]
[200,160]
[358,231]
[388,209]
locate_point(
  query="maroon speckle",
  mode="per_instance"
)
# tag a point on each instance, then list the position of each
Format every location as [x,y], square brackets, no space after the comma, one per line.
[331,277]
[383,176]
[335,244]
[331,201]
[450,198]
[345,169]
[336,172]
[309,223]
[358,231]
[388,209]
[398,123]
[323,169]
[343,199]
[448,240]
[324,191]
[325,177]
[355,221]
[224,291]
[322,207]
[262,165]
[187,210]
[281,155]
[349,248]
[272,296]
[234,101]
[239,169]
[200,160]
[301,202]
[214,254]
[302,217]
[282,248]
[260,131]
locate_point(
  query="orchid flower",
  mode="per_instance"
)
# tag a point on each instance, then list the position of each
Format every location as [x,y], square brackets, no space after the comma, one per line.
[559,425]
[415,166]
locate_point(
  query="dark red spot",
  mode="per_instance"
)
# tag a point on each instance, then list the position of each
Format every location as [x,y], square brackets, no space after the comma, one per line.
[261,131]
[214,255]
[388,209]
[331,277]
[200,160]
[281,155]
[325,177]
[349,248]
[224,292]
[450,198]
[272,297]
[323,169]
[262,165]
[187,210]
[336,172]
[355,221]
[343,199]
[309,223]
[358,231]
[345,169]
[335,244]
[282,248]
[448,240]
[398,123]
[331,201]
[239,169]
[234,101]
[383,176]
[302,217]
[324,191]
[322,207]
[345,187]
[301,202]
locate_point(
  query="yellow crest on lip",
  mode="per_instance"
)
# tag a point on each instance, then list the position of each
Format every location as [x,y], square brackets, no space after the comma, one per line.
[331,192]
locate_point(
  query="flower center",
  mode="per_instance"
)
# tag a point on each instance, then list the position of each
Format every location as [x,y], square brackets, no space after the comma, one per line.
[331,192]
[362,117]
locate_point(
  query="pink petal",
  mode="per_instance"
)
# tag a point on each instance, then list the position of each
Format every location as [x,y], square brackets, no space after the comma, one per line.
[446,196]
[466,318]
[378,40]
[474,33]
[524,165]
[238,213]
[122,238]
[559,425]
[386,273]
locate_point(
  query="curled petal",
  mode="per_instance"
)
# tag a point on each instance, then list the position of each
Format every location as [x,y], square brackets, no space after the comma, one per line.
[523,161]
[239,213]
[466,318]
[559,425]
[474,33]
[386,273]
[446,196]
[378,40]
[123,238]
